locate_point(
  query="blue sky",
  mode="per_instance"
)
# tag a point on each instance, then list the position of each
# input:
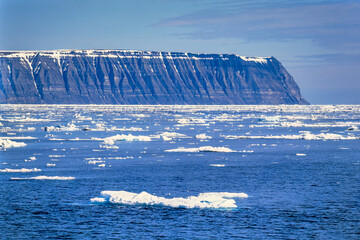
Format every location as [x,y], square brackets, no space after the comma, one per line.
[317,41]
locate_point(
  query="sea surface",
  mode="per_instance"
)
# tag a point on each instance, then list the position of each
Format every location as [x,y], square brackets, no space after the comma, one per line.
[179,172]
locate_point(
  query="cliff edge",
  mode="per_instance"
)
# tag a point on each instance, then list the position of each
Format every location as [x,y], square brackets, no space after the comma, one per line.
[143,77]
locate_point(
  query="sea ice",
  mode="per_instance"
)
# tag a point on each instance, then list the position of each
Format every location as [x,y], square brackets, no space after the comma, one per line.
[201,149]
[304,135]
[45,178]
[122,137]
[70,127]
[217,165]
[7,143]
[216,200]
[21,170]
[202,136]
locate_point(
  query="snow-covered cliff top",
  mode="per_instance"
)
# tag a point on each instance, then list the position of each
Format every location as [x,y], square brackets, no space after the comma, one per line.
[128,54]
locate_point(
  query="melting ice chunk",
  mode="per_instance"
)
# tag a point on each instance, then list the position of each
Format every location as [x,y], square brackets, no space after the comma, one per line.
[123,137]
[7,143]
[203,200]
[201,149]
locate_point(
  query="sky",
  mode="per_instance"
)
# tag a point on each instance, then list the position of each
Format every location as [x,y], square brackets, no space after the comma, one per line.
[318,41]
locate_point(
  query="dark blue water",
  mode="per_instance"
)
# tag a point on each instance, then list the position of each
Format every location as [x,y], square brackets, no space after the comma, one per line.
[302,183]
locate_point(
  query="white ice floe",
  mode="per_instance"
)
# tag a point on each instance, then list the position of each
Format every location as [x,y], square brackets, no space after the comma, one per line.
[191,121]
[33,158]
[94,160]
[217,165]
[304,135]
[168,136]
[120,158]
[201,149]
[353,128]
[7,143]
[123,137]
[109,147]
[202,136]
[19,138]
[21,170]
[45,178]
[50,164]
[26,119]
[69,128]
[131,129]
[79,117]
[172,135]
[216,200]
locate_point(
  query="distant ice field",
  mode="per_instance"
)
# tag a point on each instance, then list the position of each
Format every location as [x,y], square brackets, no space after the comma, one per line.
[100,171]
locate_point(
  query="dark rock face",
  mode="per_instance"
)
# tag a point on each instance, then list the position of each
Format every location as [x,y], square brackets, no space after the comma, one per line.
[143,77]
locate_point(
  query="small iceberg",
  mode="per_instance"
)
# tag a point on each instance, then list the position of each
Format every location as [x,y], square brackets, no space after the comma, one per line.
[215,200]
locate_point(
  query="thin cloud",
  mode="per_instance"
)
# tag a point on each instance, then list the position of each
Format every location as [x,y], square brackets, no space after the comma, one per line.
[330,24]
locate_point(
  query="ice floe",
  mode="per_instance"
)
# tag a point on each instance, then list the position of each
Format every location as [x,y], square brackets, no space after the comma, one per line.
[33,158]
[217,165]
[201,149]
[45,178]
[202,136]
[191,121]
[26,119]
[167,136]
[215,200]
[109,147]
[130,129]
[56,156]
[124,137]
[120,158]
[21,170]
[79,117]
[7,143]
[304,135]
[70,127]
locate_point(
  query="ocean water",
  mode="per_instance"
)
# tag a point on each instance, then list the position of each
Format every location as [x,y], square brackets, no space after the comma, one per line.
[179,172]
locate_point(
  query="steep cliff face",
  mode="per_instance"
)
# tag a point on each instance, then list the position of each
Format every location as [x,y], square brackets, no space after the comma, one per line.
[143,77]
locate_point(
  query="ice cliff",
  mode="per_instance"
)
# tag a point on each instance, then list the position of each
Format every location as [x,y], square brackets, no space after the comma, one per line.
[143,77]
